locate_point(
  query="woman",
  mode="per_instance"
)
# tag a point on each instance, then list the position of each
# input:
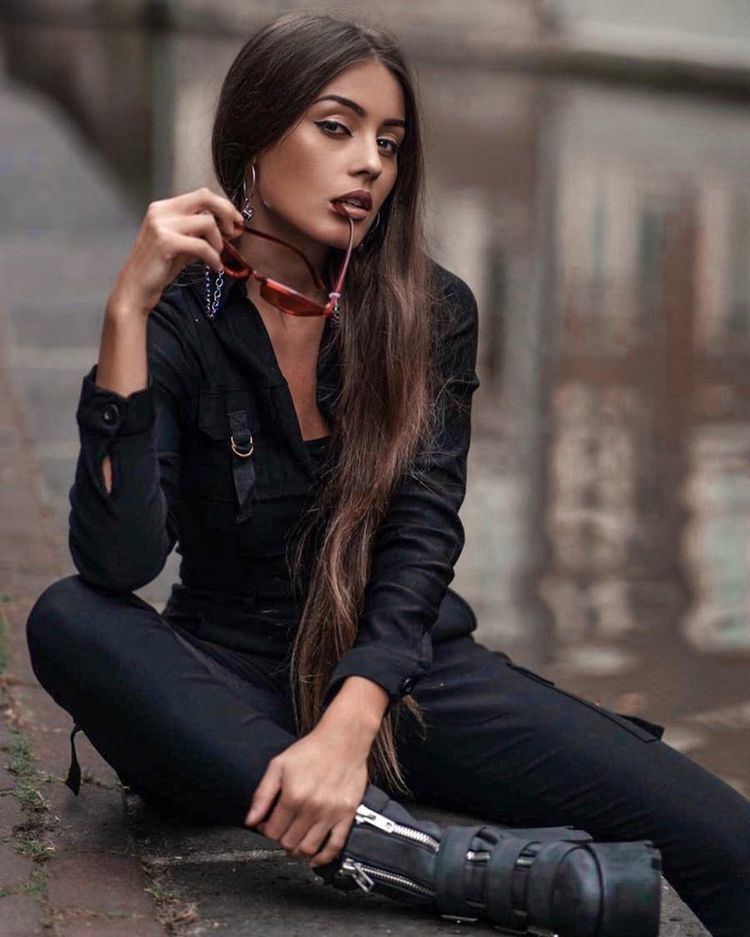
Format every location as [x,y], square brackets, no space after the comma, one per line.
[312,663]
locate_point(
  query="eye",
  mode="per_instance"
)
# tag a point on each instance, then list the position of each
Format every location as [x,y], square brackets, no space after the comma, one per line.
[332,123]
[336,123]
[395,145]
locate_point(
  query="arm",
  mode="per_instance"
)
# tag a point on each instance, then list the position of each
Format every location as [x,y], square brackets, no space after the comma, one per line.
[120,534]
[421,536]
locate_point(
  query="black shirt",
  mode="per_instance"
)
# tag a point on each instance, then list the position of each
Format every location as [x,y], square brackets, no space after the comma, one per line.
[210,457]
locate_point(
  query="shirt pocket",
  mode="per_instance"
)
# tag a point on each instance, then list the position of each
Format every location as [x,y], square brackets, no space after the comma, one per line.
[223,464]
[643,729]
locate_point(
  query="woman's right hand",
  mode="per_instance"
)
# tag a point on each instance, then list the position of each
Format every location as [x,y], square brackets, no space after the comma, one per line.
[174,232]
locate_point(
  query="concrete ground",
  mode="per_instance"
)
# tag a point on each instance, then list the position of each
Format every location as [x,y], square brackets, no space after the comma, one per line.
[103,863]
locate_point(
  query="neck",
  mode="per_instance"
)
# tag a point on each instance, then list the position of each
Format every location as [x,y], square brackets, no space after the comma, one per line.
[269,258]
[274,260]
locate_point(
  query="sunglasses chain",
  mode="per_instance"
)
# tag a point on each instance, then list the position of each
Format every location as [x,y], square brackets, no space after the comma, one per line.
[212,305]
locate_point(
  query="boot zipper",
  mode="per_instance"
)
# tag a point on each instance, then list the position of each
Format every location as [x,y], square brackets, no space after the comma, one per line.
[366,815]
[363,876]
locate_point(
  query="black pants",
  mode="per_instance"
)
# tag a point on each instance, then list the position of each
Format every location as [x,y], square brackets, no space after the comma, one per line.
[502,742]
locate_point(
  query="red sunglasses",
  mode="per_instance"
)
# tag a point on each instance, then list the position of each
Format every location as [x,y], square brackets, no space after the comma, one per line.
[284,297]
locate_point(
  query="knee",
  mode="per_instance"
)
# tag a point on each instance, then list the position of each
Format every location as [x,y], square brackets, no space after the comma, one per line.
[61,608]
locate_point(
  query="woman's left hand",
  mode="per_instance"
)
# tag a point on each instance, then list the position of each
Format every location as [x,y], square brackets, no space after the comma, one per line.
[320,780]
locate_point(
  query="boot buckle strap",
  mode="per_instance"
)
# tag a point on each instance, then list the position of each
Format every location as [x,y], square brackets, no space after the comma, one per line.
[451,873]
[500,875]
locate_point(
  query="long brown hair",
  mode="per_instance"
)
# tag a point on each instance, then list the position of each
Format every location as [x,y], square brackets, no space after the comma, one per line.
[386,336]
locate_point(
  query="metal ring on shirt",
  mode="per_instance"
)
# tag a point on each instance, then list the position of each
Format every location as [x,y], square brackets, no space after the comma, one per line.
[239,452]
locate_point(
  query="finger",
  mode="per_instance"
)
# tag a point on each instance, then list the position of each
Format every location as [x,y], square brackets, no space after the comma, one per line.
[297,827]
[202,225]
[197,247]
[219,205]
[280,820]
[226,228]
[265,792]
[262,824]
[311,841]
[335,844]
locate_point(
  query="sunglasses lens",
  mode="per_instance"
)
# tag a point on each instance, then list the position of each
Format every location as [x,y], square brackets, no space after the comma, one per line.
[282,298]
[233,264]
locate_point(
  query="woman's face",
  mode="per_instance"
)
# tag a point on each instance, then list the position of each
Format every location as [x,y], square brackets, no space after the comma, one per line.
[333,149]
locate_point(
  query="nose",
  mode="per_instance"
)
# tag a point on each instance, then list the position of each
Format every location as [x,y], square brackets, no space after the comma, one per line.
[370,158]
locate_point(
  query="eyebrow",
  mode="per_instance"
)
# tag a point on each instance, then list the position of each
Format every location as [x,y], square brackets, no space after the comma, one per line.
[358,109]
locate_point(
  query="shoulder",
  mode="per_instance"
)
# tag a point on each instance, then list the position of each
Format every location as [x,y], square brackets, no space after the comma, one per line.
[457,316]
[453,290]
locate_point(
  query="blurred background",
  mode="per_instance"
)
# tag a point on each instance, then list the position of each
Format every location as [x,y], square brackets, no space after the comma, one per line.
[588,178]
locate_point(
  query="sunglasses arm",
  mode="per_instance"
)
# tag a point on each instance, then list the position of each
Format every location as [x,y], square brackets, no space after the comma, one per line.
[336,293]
[313,273]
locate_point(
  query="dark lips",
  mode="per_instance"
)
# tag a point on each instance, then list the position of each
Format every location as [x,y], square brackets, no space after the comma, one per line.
[360,194]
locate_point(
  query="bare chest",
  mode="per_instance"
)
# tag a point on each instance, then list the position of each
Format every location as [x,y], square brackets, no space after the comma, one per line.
[300,372]
[297,357]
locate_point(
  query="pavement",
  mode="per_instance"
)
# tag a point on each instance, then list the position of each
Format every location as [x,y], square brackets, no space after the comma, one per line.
[104,863]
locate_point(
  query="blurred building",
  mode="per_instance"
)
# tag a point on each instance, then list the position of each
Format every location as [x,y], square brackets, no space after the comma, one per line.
[651,404]
[706,33]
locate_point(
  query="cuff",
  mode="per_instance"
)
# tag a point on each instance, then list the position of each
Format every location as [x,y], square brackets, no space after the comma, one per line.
[396,674]
[107,413]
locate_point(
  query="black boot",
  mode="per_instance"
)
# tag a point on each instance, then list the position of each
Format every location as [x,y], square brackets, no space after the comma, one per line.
[555,879]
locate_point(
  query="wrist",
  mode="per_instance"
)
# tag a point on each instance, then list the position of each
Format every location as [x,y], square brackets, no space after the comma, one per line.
[344,737]
[121,308]
[358,708]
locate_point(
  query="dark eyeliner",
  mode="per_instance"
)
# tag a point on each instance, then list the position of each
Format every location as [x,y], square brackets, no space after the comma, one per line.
[318,123]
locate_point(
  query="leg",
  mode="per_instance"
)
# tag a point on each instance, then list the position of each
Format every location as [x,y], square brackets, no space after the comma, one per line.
[161,714]
[509,745]
[167,717]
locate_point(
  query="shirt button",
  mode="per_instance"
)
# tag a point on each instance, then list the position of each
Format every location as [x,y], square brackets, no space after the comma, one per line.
[407,685]
[110,414]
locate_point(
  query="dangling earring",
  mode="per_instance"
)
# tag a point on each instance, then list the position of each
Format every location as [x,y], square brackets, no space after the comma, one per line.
[368,237]
[247,209]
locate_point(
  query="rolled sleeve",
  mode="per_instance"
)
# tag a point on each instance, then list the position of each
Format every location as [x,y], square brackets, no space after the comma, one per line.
[106,413]
[393,670]
[421,536]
